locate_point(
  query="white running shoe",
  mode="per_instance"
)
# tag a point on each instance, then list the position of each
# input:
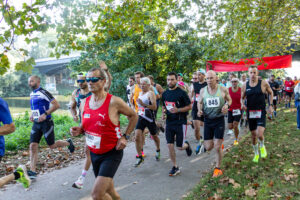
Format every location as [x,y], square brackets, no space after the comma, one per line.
[79,183]
[230,132]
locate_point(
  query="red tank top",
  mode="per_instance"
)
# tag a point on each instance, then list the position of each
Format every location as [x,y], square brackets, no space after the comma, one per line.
[236,99]
[101,134]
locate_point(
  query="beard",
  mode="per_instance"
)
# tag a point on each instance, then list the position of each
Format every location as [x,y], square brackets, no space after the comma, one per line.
[172,86]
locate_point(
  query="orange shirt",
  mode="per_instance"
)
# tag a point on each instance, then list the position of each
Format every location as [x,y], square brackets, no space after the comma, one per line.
[136,94]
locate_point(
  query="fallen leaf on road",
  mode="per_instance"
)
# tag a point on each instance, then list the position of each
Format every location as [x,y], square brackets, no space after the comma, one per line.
[250,192]
[256,185]
[25,153]
[271,184]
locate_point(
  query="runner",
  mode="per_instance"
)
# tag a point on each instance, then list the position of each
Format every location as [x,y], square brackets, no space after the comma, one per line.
[275,88]
[19,175]
[280,92]
[79,94]
[147,106]
[176,105]
[101,124]
[244,114]
[212,105]
[234,112]
[128,88]
[40,100]
[289,90]
[198,121]
[254,90]
[182,84]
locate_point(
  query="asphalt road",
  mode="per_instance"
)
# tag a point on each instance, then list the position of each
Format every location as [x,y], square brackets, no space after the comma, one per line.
[148,182]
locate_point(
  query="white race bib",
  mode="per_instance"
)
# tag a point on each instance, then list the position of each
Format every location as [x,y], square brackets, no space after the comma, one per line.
[197,97]
[275,98]
[141,111]
[288,88]
[93,141]
[213,102]
[236,112]
[254,114]
[35,114]
[170,105]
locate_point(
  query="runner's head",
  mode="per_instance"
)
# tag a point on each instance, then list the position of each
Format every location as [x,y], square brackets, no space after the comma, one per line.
[244,77]
[151,79]
[253,72]
[34,82]
[272,78]
[172,80]
[195,77]
[295,78]
[81,81]
[231,76]
[96,80]
[211,78]
[235,82]
[223,81]
[180,77]
[201,75]
[131,81]
[138,75]
[145,84]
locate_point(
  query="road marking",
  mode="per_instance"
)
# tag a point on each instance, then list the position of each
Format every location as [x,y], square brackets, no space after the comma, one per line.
[168,160]
[123,187]
[196,159]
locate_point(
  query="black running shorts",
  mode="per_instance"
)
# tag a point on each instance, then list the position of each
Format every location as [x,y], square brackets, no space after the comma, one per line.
[106,164]
[232,118]
[290,94]
[214,128]
[195,112]
[143,123]
[45,128]
[178,130]
[254,123]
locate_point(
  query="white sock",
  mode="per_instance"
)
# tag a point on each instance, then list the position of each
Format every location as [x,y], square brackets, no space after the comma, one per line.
[261,143]
[83,173]
[255,148]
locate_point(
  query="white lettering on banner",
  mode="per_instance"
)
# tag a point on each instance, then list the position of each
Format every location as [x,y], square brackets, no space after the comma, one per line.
[169,105]
[213,102]
[35,114]
[236,112]
[254,114]
[93,141]
[141,111]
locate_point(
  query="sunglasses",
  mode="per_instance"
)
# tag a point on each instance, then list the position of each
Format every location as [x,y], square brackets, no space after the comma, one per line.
[80,81]
[94,79]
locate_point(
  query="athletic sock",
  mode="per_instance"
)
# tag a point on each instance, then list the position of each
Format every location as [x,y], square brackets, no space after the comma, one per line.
[17,175]
[83,173]
[261,143]
[255,148]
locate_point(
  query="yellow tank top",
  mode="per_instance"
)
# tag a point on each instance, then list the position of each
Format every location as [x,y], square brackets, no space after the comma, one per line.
[136,94]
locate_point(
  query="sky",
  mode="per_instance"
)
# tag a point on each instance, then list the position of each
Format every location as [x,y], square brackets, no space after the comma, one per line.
[294,70]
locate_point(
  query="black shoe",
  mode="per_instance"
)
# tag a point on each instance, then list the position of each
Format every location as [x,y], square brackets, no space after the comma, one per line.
[242,121]
[188,150]
[246,123]
[174,171]
[71,147]
[139,161]
[31,174]
[192,125]
[162,129]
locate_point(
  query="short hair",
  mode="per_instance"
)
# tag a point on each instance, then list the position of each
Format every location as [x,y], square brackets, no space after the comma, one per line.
[101,72]
[172,74]
[146,80]
[232,74]
[273,75]
[140,73]
[36,78]
[151,77]
[131,77]
[80,74]
[253,66]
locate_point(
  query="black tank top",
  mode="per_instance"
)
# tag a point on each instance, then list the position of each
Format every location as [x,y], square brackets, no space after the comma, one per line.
[197,87]
[255,97]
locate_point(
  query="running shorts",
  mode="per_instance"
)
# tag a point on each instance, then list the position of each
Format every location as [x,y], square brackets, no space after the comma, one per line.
[232,118]
[143,123]
[45,128]
[214,128]
[254,123]
[178,130]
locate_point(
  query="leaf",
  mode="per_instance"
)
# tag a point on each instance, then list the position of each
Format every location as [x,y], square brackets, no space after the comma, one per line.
[271,184]
[250,192]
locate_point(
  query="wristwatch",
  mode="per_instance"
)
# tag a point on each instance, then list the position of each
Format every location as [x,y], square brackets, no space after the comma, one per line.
[46,113]
[126,136]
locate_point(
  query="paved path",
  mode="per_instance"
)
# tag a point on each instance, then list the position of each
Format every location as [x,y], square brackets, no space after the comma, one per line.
[148,182]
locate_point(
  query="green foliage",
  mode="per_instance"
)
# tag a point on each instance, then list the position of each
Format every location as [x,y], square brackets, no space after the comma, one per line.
[21,137]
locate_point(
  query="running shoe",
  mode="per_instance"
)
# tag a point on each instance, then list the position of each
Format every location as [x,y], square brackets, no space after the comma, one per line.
[24,179]
[157,156]
[198,148]
[188,149]
[222,146]
[235,142]
[71,147]
[162,129]
[139,161]
[217,172]
[31,174]
[174,171]
[255,159]
[230,132]
[79,183]
[275,114]
[263,152]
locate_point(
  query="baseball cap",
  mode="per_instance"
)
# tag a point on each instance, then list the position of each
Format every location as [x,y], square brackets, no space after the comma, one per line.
[235,79]
[180,74]
[202,71]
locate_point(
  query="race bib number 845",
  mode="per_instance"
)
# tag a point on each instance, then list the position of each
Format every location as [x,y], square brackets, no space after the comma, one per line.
[213,102]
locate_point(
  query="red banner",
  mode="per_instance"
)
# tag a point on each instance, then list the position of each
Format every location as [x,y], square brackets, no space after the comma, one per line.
[275,62]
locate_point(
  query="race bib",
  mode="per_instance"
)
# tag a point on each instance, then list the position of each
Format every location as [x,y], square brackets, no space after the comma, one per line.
[213,102]
[288,88]
[197,97]
[170,105]
[236,112]
[93,141]
[254,114]
[275,98]
[35,114]
[141,111]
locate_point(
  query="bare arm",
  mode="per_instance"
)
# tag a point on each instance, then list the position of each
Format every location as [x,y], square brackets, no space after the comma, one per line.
[227,96]
[131,96]
[73,105]
[153,101]
[200,102]
[268,90]
[54,107]
[7,129]
[159,89]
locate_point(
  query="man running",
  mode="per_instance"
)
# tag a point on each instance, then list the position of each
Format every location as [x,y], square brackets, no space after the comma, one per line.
[77,96]
[176,105]
[40,100]
[254,90]
[212,105]
[275,88]
[128,88]
[244,114]
[234,112]
[280,92]
[146,108]
[198,121]
[289,90]
[101,125]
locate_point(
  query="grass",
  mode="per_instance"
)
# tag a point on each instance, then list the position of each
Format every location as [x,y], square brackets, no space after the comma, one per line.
[276,177]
